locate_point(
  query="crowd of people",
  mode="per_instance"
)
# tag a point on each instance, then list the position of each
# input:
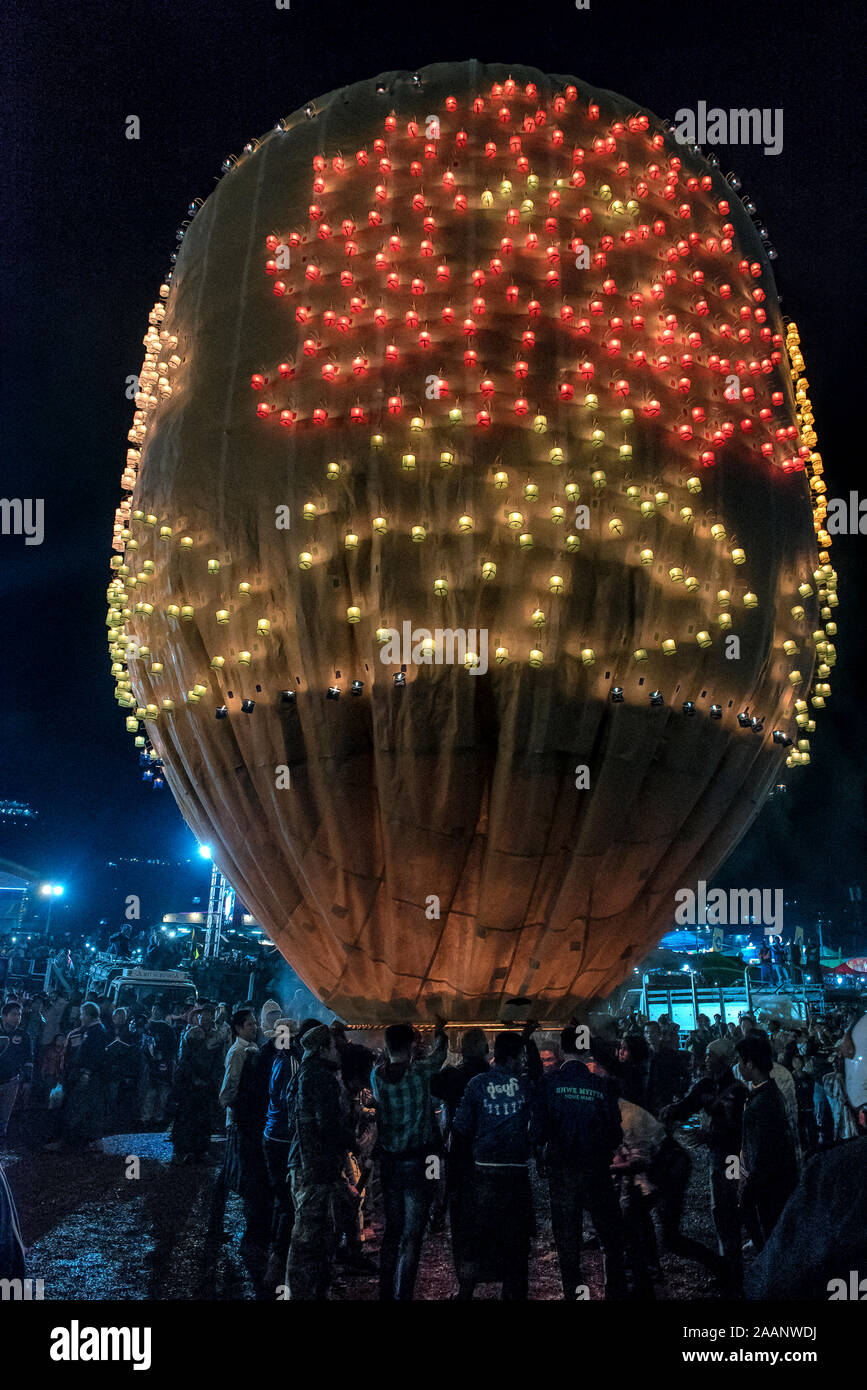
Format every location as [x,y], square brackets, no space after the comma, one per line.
[322,1131]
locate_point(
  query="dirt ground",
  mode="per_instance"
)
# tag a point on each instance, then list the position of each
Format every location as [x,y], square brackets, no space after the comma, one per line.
[96,1230]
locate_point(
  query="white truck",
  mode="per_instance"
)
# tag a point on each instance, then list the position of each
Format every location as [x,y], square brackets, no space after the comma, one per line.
[127,985]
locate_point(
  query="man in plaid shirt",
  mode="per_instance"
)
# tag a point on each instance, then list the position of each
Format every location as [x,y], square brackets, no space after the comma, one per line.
[407,1138]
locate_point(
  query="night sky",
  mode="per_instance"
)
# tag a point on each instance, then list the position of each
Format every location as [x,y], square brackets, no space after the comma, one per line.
[88,224]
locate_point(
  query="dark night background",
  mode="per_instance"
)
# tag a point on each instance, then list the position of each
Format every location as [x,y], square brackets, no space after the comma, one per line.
[89,221]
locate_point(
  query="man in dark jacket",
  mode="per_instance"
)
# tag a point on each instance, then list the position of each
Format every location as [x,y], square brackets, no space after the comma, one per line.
[767,1148]
[494,1117]
[577,1121]
[668,1073]
[448,1086]
[320,1139]
[279,1125]
[721,1099]
[86,1081]
[16,1061]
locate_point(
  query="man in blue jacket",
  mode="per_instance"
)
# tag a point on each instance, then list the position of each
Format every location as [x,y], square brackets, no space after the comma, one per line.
[494,1116]
[577,1121]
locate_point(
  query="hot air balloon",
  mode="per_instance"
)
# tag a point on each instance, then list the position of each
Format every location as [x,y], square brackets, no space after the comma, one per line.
[470,578]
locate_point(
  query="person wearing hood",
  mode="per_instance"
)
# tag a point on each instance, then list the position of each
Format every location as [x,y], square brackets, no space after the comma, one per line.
[190,1100]
[448,1086]
[320,1138]
[407,1139]
[820,1239]
[269,1015]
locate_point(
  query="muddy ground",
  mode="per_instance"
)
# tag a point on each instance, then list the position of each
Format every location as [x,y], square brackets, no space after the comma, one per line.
[95,1230]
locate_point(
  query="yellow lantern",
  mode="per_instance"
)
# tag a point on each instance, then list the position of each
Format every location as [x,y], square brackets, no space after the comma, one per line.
[693,485]
[408,463]
[573,542]
[332,472]
[597,478]
[750,600]
[222,616]
[380,525]
[615,526]
[531,492]
[447,459]
[525,541]
[723,598]
[489,570]
[418,534]
[588,656]
[536,658]
[515,521]
[376,441]
[556,456]
[501,655]
[501,480]
[382,636]
[350,541]
[168,705]
[555,584]
[353,615]
[675,574]
[724,622]
[213,567]
[704,639]
[640,654]
[558,515]
[646,556]
[244,658]
[309,511]
[245,590]
[218,662]
[537,618]
[669,647]
[441,588]
[187,612]
[305,560]
[739,556]
[465,523]
[263,627]
[795,678]
[131,724]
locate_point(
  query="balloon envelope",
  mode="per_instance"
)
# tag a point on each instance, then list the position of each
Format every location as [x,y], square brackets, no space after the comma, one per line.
[469,418]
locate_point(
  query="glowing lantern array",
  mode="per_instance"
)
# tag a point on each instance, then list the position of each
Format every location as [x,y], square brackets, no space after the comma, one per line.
[514,365]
